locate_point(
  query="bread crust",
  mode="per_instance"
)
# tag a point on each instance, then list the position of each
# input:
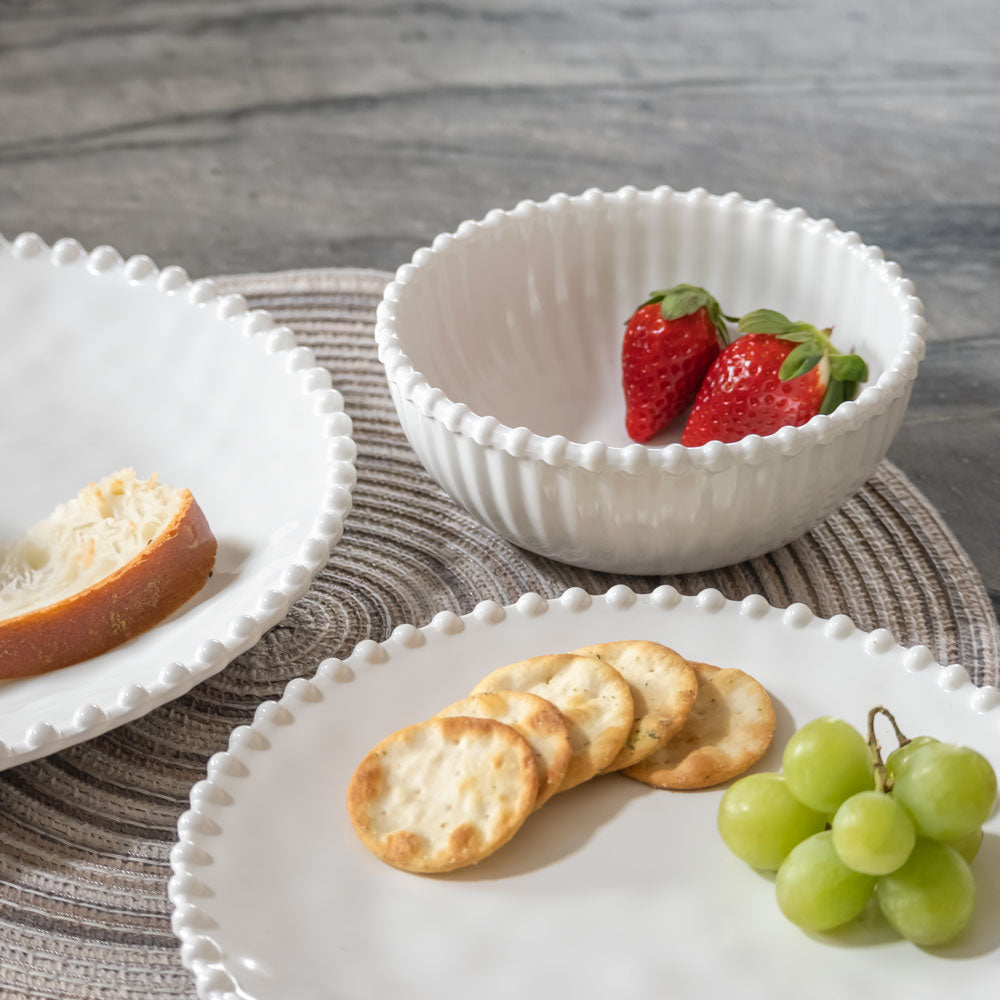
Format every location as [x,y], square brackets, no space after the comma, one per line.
[172,568]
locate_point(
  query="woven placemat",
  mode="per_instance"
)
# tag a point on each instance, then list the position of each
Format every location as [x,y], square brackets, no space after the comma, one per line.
[85,834]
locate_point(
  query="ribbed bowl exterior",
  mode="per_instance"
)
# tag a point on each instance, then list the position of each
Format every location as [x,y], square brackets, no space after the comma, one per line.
[479,333]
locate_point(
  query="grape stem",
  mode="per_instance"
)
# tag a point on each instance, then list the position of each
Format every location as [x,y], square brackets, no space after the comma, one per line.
[882,784]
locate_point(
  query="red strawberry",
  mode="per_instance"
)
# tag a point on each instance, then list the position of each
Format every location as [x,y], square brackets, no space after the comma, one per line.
[779,374]
[670,341]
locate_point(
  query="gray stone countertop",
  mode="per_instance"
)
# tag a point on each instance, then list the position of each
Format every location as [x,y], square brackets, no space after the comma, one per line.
[272,134]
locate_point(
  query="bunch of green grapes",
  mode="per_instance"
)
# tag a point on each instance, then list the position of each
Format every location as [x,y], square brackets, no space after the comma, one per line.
[838,825]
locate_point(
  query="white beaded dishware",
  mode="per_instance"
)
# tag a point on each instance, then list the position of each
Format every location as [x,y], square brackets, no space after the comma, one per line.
[613,868]
[111,363]
[501,346]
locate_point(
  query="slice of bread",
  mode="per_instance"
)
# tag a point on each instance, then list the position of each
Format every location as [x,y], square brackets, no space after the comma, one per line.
[100,569]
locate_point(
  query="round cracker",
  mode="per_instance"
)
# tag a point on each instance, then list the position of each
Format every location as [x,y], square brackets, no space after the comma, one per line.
[537,720]
[663,687]
[729,729]
[593,697]
[443,794]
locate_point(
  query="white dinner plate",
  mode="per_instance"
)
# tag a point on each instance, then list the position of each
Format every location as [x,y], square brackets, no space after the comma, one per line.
[106,363]
[612,889]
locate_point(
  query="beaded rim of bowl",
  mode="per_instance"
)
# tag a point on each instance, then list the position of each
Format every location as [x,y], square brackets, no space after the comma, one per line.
[676,459]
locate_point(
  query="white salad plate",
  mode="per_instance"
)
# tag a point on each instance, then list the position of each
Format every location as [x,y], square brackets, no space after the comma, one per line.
[612,889]
[106,363]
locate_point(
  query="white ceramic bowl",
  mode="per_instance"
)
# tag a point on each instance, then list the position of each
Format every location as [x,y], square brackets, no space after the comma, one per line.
[501,347]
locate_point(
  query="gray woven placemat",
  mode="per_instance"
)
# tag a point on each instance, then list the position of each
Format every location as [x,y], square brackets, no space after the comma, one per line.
[85,834]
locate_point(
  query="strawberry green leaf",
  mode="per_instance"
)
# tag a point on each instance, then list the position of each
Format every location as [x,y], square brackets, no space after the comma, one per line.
[802,359]
[778,325]
[848,368]
[833,398]
[766,321]
[683,300]
[850,389]
[718,319]
[801,333]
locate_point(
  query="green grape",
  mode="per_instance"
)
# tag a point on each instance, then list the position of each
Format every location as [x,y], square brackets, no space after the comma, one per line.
[895,760]
[968,846]
[948,790]
[929,900]
[826,762]
[872,833]
[816,890]
[761,821]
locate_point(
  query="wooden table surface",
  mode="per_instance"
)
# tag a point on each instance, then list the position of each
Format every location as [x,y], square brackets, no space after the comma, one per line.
[273,134]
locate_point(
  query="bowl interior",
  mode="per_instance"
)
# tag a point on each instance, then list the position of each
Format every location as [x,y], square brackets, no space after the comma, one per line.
[522,317]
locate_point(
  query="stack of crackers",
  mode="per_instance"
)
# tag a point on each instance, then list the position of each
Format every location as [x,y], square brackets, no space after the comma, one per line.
[446,793]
